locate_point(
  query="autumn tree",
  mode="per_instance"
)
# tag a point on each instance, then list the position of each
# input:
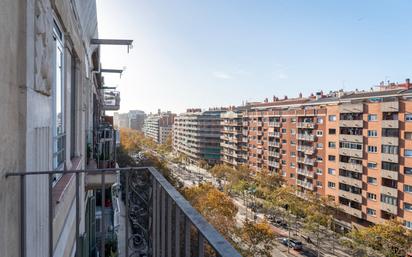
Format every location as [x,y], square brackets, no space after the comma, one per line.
[390,238]
[217,208]
[257,239]
[267,182]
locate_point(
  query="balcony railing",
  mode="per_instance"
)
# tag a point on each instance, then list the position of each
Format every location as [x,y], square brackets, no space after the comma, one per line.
[159,221]
[306,137]
[111,100]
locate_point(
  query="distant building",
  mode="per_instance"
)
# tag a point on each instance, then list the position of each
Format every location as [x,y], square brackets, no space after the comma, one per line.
[196,134]
[134,119]
[159,126]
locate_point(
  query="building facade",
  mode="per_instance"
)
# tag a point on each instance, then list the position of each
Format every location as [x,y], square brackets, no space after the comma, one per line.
[159,126]
[353,147]
[196,134]
[134,119]
[52,121]
[233,143]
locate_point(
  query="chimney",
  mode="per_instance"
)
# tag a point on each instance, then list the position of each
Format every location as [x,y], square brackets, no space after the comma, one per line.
[300,95]
[408,83]
[286,97]
[274,98]
[266,100]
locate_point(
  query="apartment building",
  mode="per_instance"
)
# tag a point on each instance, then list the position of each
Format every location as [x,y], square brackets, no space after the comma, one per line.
[286,136]
[52,120]
[196,134]
[233,143]
[354,147]
[159,126]
[134,119]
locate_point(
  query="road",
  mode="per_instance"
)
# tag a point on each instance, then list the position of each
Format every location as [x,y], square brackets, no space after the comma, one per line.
[191,175]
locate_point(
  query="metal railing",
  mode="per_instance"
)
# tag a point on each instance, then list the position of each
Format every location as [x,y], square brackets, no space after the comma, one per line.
[159,221]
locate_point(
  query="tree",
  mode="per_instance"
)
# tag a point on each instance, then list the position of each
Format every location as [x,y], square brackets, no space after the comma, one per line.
[318,217]
[215,206]
[390,238]
[256,239]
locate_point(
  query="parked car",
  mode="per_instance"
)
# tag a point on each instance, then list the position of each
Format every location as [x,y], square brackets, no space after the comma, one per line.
[292,243]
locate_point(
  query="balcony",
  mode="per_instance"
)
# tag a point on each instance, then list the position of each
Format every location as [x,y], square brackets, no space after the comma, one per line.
[390,124]
[309,150]
[111,100]
[351,108]
[245,123]
[351,196]
[390,141]
[351,166]
[309,125]
[351,152]
[305,172]
[386,157]
[305,137]
[158,220]
[350,181]
[390,106]
[351,138]
[273,164]
[352,211]
[351,123]
[393,209]
[389,191]
[394,175]
[274,154]
[259,124]
[306,161]
[274,124]
[304,184]
[273,144]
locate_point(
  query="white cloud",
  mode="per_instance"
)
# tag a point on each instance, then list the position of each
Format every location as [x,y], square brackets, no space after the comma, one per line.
[282,75]
[221,75]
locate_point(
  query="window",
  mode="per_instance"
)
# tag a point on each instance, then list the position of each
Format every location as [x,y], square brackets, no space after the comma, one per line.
[283,173]
[407,170]
[408,135]
[283,162]
[407,206]
[408,153]
[319,145]
[408,224]
[293,119]
[389,199]
[293,131]
[332,158]
[319,171]
[292,165]
[372,196]
[332,131]
[372,117]
[58,121]
[292,154]
[407,188]
[332,144]
[283,141]
[331,171]
[372,149]
[318,183]
[332,117]
[283,152]
[292,175]
[331,184]
[372,180]
[319,133]
[390,166]
[371,212]
[320,120]
[372,133]
[292,143]
[319,158]
[283,119]
[389,149]
[372,165]
[350,145]
[283,130]
[408,117]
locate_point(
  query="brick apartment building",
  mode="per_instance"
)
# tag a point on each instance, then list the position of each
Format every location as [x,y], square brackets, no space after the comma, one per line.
[354,147]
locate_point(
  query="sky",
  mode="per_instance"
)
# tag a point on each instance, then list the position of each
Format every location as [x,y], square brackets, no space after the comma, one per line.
[213,53]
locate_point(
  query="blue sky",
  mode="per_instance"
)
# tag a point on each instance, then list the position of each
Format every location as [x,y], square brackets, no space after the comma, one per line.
[197,53]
